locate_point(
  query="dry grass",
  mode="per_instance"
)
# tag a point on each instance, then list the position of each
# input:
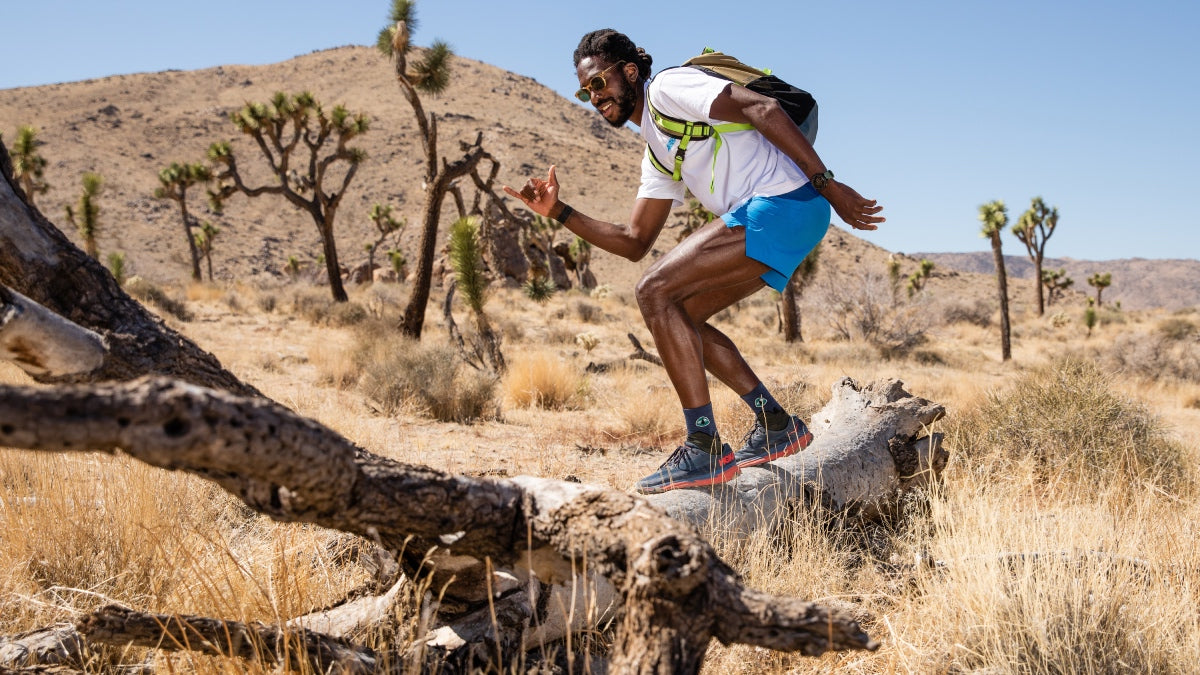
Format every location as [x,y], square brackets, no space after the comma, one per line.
[1063,539]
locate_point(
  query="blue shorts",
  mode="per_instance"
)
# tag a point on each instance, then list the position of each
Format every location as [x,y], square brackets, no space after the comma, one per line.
[782,230]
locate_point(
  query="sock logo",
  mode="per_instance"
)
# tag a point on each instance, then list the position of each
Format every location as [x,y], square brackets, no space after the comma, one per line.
[703,422]
[760,402]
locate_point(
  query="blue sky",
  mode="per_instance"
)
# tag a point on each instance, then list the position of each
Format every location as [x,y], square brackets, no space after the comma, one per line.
[930,107]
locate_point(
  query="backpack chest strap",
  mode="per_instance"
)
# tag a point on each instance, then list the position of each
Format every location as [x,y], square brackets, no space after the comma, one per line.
[685,131]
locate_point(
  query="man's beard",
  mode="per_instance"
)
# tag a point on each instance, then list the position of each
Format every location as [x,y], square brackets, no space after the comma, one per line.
[625,101]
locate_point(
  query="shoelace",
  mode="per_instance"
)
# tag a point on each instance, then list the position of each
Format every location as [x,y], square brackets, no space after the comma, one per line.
[749,434]
[678,456]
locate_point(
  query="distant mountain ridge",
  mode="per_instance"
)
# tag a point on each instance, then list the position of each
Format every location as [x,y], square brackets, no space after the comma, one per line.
[1137,283]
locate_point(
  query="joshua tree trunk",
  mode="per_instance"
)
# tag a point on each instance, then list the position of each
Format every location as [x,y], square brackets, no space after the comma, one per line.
[413,320]
[1002,280]
[790,314]
[191,240]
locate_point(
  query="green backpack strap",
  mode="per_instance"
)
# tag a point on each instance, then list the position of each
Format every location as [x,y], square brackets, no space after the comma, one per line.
[685,131]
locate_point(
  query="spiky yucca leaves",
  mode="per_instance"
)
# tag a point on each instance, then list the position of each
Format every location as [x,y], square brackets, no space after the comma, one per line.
[28,164]
[292,132]
[86,214]
[994,216]
[174,183]
[116,266]
[916,280]
[539,289]
[467,260]
[402,11]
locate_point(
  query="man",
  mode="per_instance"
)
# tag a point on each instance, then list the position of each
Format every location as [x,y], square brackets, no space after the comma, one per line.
[773,215]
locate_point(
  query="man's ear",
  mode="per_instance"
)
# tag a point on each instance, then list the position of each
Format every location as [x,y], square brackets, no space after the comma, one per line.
[631,78]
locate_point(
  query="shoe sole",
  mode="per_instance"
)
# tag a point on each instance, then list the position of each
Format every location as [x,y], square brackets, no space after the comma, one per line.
[789,449]
[723,477]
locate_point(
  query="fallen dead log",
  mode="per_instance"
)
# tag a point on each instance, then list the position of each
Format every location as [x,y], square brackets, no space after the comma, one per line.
[297,648]
[677,592]
[39,261]
[57,645]
[870,446]
[41,342]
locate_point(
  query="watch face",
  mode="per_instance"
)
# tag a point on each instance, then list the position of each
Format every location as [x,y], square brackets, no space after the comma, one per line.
[819,181]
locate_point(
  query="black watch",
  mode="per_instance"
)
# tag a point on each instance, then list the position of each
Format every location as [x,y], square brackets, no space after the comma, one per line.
[820,180]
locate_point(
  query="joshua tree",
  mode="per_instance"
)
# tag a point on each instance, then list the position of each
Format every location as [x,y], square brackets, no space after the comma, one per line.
[1034,229]
[994,217]
[1056,281]
[386,225]
[430,75]
[291,132]
[916,280]
[467,260]
[28,163]
[175,180]
[204,242]
[86,214]
[1100,282]
[789,313]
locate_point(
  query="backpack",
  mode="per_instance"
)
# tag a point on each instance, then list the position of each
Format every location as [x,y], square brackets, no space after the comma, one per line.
[797,103]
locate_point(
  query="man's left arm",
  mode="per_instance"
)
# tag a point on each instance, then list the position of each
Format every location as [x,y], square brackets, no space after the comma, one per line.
[739,104]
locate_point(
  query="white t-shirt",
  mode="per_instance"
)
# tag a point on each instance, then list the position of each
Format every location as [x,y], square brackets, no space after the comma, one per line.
[747,164]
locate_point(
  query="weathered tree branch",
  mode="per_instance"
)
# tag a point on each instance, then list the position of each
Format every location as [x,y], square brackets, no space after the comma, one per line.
[118,625]
[41,342]
[38,261]
[296,470]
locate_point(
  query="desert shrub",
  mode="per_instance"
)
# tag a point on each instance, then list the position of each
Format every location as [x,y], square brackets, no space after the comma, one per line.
[588,312]
[1070,421]
[544,381]
[397,372]
[311,304]
[266,302]
[861,307]
[346,314]
[1153,357]
[150,294]
[1176,328]
[975,312]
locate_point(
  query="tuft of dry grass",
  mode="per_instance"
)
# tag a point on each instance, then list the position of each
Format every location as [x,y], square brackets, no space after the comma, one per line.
[1067,418]
[543,380]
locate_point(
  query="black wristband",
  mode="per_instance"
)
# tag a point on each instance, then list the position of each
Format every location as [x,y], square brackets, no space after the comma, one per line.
[565,213]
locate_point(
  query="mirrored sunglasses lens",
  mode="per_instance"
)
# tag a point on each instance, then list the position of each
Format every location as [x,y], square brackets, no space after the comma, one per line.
[583,95]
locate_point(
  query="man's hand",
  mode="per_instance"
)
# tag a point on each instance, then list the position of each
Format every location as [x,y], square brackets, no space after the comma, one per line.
[541,196]
[857,211]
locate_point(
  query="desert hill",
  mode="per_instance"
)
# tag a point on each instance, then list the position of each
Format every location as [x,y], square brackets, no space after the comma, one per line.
[129,127]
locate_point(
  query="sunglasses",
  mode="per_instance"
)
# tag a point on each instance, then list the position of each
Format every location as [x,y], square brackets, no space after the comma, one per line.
[595,84]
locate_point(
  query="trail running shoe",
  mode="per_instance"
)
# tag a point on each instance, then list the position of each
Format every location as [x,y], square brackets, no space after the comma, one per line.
[690,466]
[762,445]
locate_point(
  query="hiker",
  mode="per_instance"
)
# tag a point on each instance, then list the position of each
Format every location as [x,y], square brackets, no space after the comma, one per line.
[773,194]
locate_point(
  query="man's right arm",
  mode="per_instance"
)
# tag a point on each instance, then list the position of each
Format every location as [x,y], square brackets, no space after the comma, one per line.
[630,241]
